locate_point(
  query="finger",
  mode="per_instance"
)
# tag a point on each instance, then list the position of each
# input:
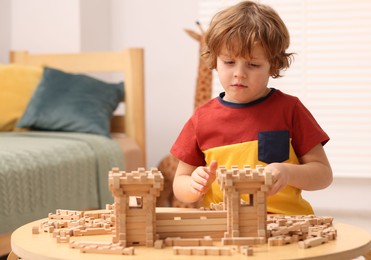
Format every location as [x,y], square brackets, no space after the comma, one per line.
[200,178]
[273,191]
[276,187]
[198,188]
[213,167]
[197,192]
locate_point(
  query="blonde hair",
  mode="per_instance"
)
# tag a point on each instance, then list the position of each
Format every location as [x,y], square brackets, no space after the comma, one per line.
[241,26]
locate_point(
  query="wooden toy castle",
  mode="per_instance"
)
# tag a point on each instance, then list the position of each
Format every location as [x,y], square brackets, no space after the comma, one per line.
[134,219]
[236,223]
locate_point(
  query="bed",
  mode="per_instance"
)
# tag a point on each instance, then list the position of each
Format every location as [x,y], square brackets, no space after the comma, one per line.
[50,162]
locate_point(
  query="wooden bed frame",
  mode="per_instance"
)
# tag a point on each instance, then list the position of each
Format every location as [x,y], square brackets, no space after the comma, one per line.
[130,62]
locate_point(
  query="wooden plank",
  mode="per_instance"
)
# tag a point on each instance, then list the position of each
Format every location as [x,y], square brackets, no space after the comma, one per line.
[191,228]
[196,222]
[248,222]
[137,225]
[191,214]
[248,232]
[136,212]
[194,234]
[136,218]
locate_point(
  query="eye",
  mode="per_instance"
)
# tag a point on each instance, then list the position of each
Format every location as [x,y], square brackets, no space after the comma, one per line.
[228,62]
[253,65]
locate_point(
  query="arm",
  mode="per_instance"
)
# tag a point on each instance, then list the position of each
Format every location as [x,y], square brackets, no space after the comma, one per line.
[191,182]
[313,173]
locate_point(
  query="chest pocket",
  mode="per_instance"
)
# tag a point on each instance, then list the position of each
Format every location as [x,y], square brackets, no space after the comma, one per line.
[273,146]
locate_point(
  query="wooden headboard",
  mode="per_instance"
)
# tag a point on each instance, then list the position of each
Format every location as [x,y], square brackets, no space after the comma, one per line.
[130,62]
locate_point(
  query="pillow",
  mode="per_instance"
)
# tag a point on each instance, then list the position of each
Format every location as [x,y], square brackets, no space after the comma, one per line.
[72,103]
[17,83]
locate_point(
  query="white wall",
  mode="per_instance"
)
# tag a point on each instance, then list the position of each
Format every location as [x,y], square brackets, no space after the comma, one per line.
[5,14]
[95,25]
[170,63]
[47,26]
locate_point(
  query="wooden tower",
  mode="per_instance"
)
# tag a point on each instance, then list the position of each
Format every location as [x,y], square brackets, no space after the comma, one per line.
[245,219]
[135,205]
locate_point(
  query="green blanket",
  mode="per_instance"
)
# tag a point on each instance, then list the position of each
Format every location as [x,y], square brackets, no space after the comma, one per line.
[44,171]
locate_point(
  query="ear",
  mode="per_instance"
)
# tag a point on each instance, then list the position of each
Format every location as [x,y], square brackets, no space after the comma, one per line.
[273,70]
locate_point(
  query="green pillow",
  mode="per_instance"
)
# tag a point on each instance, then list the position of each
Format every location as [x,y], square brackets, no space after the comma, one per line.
[72,103]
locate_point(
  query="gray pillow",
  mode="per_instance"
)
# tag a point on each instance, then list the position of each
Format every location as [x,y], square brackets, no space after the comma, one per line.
[72,103]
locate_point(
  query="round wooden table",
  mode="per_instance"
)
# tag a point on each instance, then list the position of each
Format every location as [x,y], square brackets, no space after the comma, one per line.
[351,242]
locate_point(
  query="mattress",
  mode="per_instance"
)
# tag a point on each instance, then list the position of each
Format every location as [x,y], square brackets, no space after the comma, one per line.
[44,171]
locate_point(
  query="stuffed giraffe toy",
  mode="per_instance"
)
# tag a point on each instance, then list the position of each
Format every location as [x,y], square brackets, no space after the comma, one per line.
[203,91]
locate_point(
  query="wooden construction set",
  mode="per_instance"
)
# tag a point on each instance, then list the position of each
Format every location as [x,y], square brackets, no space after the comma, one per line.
[133,219]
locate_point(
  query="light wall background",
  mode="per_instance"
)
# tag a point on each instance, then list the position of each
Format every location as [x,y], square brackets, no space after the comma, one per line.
[171,58]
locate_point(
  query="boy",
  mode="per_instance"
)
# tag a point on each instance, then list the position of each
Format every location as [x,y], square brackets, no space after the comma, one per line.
[251,123]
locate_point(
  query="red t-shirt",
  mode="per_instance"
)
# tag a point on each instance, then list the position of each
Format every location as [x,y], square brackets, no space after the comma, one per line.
[275,128]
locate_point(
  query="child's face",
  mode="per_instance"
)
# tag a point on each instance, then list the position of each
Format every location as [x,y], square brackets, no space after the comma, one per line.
[244,79]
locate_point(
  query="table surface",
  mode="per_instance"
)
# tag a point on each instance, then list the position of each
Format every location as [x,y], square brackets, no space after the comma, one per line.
[350,243]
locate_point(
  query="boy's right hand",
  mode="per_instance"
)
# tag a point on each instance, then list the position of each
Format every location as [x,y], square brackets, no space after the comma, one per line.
[202,178]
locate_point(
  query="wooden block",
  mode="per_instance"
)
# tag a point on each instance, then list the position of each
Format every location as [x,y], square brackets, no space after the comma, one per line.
[212,251]
[159,244]
[246,250]
[206,241]
[169,241]
[116,181]
[225,251]
[35,230]
[268,178]
[107,250]
[312,242]
[243,241]
[198,251]
[262,233]
[186,242]
[179,250]
[65,239]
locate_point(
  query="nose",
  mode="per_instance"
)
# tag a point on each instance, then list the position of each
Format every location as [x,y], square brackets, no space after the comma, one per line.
[240,71]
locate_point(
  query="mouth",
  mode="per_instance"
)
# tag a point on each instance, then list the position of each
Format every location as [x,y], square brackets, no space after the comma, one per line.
[239,85]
